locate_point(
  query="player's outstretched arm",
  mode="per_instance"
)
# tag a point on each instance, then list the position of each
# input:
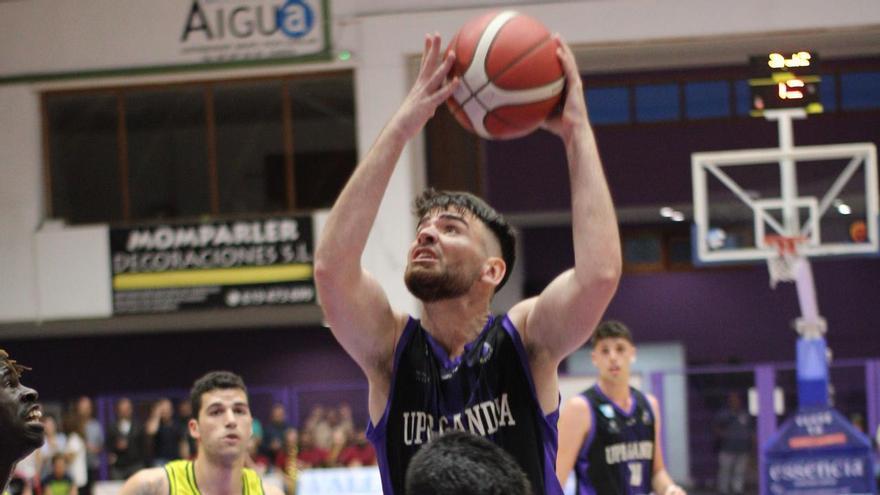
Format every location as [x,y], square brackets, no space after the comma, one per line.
[355,305]
[151,481]
[563,316]
[574,424]
[661,482]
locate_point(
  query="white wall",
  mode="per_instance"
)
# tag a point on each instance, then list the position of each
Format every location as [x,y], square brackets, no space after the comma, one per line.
[118,34]
[20,201]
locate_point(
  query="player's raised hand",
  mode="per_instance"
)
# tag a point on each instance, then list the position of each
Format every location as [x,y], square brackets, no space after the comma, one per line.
[432,87]
[574,110]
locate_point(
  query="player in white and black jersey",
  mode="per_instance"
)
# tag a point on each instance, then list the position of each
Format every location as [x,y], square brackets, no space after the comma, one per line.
[610,434]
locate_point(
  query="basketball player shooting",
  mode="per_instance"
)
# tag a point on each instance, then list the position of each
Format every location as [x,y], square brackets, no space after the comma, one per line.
[460,367]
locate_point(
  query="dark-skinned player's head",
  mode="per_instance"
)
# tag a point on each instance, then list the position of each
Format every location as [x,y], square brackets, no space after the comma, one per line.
[462,463]
[21,428]
[496,239]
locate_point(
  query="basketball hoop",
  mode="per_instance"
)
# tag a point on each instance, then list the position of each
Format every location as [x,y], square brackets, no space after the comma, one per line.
[783,265]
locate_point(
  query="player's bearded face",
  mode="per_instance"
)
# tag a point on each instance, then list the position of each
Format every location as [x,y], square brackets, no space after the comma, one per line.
[444,260]
[439,281]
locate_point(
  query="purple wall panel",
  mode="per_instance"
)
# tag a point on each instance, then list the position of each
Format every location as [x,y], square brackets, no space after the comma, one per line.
[64,368]
[646,164]
[729,314]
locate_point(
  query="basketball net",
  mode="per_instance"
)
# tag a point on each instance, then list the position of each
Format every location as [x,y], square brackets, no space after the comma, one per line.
[783,266]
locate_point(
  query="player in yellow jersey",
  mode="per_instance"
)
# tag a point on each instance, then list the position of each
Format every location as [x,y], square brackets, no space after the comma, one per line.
[222,428]
[21,428]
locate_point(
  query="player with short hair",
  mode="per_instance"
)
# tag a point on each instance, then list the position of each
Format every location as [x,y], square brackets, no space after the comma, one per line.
[460,367]
[464,464]
[610,433]
[222,427]
[21,428]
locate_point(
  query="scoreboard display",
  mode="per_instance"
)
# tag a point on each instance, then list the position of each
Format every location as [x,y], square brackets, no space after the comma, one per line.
[783,80]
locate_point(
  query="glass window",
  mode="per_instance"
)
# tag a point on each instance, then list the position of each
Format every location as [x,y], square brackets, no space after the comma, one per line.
[743,97]
[707,99]
[828,92]
[191,149]
[167,153]
[83,156]
[324,141]
[608,105]
[642,249]
[251,168]
[679,251]
[860,90]
[657,102]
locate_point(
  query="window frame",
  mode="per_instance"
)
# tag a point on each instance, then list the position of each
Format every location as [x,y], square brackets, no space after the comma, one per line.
[206,85]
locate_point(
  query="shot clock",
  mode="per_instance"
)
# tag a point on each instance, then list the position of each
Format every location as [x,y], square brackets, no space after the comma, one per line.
[785,80]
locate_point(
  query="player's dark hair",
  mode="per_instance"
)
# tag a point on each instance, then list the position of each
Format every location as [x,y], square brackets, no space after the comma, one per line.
[432,199]
[611,329]
[14,368]
[215,380]
[462,463]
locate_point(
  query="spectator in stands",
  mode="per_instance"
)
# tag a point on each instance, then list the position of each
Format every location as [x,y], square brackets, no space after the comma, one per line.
[255,460]
[340,420]
[94,440]
[184,414]
[337,445]
[291,449]
[291,464]
[163,436]
[58,482]
[319,427]
[25,476]
[464,464]
[125,442]
[858,421]
[54,443]
[21,431]
[310,455]
[359,452]
[75,451]
[735,433]
[257,436]
[273,431]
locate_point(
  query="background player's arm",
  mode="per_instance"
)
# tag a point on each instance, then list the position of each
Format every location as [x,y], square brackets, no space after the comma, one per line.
[151,481]
[564,315]
[661,482]
[574,425]
[355,305]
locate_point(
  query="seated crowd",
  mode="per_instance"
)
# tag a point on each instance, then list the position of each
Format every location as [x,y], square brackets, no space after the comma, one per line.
[82,450]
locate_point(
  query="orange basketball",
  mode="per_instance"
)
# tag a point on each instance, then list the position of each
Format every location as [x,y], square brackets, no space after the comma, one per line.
[511,78]
[858,231]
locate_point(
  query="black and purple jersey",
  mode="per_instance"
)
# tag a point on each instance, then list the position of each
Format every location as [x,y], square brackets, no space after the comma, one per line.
[488,391]
[617,457]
